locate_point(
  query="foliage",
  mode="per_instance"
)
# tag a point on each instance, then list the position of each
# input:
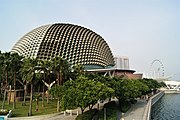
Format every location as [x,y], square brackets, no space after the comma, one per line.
[111,111]
[57,91]
[29,69]
[162,84]
[84,92]
[142,88]
[152,84]
[128,89]
[10,64]
[88,115]
[133,101]
[103,79]
[78,70]
[125,106]
[61,68]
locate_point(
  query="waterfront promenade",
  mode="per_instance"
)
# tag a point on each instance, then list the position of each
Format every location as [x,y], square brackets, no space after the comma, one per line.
[136,112]
[142,109]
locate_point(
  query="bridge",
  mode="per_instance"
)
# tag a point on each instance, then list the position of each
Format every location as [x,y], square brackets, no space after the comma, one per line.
[172,85]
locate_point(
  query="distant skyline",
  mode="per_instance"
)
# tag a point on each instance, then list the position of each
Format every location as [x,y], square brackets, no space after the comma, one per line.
[142,30]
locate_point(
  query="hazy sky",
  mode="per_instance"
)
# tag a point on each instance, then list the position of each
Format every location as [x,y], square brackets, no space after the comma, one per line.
[142,30]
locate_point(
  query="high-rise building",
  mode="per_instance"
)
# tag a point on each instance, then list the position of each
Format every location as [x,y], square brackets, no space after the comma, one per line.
[121,62]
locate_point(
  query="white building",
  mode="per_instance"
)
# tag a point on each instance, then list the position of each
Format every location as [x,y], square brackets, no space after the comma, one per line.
[121,62]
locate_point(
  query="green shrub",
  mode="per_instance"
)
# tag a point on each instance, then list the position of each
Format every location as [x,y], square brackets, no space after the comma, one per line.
[88,115]
[111,105]
[111,111]
[133,101]
[125,106]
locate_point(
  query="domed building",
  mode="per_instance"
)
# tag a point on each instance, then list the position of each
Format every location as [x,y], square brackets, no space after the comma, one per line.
[76,44]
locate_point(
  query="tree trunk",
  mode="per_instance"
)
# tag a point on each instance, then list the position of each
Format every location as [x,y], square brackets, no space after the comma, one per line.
[82,110]
[47,98]
[10,92]
[6,78]
[9,95]
[37,104]
[31,97]
[1,88]
[43,97]
[91,106]
[61,77]
[14,100]
[2,82]
[43,91]
[58,105]
[58,77]
[25,93]
[4,98]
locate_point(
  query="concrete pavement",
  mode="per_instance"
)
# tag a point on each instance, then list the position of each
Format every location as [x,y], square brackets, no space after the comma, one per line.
[136,112]
[56,116]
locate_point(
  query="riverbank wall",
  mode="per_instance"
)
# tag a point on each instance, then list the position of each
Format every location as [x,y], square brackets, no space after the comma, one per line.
[171,91]
[152,100]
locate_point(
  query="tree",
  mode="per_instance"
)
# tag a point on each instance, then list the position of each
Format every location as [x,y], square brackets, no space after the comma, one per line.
[83,92]
[78,70]
[29,68]
[128,89]
[45,67]
[15,66]
[62,70]
[1,72]
[152,84]
[57,91]
[103,79]
[5,64]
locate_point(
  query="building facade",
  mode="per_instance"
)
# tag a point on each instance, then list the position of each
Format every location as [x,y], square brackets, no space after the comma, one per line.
[121,62]
[76,44]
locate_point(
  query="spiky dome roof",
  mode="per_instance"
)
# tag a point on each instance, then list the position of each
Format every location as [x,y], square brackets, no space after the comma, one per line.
[76,44]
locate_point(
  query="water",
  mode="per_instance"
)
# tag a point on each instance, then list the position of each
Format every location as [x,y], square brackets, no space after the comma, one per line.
[1,118]
[167,108]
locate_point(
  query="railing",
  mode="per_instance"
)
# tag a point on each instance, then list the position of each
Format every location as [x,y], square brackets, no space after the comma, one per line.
[152,100]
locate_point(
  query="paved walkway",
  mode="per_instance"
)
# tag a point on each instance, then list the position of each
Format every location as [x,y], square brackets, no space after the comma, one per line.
[57,116]
[136,112]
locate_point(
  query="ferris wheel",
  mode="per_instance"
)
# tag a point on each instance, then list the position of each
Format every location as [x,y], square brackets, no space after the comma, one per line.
[157,69]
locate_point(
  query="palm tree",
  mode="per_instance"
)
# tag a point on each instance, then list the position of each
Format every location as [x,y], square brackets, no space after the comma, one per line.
[5,57]
[1,70]
[45,67]
[62,69]
[78,70]
[29,68]
[15,66]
